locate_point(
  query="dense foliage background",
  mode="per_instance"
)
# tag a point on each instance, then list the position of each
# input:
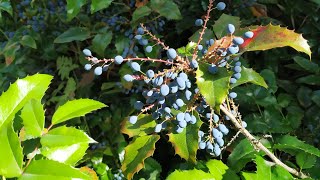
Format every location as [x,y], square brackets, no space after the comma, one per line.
[48,37]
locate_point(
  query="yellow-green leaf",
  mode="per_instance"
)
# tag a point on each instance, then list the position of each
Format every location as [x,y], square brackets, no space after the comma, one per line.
[144,126]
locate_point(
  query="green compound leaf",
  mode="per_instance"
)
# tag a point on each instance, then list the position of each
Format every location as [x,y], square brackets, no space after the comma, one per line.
[74,7]
[52,170]
[28,40]
[136,152]
[73,34]
[145,125]
[220,26]
[19,93]
[10,152]
[65,144]
[194,174]
[289,143]
[244,153]
[33,118]
[270,36]
[97,5]
[100,42]
[213,87]
[75,108]
[186,143]
[166,8]
[140,13]
[305,161]
[6,6]
[249,75]
[220,171]
[266,170]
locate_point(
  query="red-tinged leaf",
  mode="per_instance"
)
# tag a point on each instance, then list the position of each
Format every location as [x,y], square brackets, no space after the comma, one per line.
[186,143]
[270,36]
[136,152]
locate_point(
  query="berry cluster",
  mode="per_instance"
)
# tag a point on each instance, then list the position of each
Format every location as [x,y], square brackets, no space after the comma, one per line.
[170,94]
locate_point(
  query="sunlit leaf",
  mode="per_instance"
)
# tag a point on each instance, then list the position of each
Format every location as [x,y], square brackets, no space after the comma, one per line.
[221,171]
[194,174]
[144,126]
[250,76]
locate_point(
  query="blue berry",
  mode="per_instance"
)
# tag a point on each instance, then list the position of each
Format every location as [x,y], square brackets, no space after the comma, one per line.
[193,119]
[118,59]
[233,80]
[232,95]
[135,66]
[248,34]
[148,49]
[167,110]
[164,90]
[179,102]
[140,30]
[138,37]
[213,69]
[233,50]
[209,146]
[180,116]
[211,42]
[244,124]
[238,40]
[158,81]
[223,129]
[158,128]
[171,53]
[237,75]
[179,129]
[200,47]
[150,73]
[87,52]
[230,28]
[182,123]
[221,6]
[87,67]
[198,22]
[138,105]
[133,119]
[98,71]
[215,118]
[128,78]
[220,142]
[238,63]
[202,145]
[216,150]
[237,69]
[144,42]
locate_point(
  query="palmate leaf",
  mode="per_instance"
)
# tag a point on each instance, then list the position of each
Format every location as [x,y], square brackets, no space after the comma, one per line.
[75,108]
[136,152]
[213,87]
[186,143]
[52,170]
[270,36]
[19,93]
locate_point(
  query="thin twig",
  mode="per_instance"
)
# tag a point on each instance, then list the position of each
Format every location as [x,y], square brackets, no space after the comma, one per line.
[256,143]
[154,37]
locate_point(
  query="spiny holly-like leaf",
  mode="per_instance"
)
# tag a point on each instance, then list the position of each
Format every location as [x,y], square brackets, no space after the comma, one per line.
[249,75]
[144,126]
[65,144]
[166,8]
[74,7]
[75,108]
[270,36]
[292,143]
[140,13]
[52,170]
[97,5]
[244,153]
[73,34]
[220,25]
[213,87]
[136,152]
[19,93]
[33,118]
[220,171]
[186,143]
[194,174]
[305,161]
[10,152]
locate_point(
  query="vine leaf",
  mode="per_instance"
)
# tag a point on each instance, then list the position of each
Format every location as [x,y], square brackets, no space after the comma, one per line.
[33,118]
[10,152]
[220,171]
[289,143]
[270,36]
[213,87]
[136,152]
[65,144]
[186,142]
[52,170]
[19,93]
[75,108]
[249,75]
[145,125]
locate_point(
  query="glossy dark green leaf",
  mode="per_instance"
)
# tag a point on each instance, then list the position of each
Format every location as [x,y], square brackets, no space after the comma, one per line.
[140,13]
[28,40]
[73,34]
[100,42]
[166,8]
[306,64]
[10,152]
[310,80]
[52,170]
[250,76]
[5,5]
[220,25]
[213,87]
[315,97]
[304,96]
[74,7]
[97,5]
[292,143]
[270,77]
